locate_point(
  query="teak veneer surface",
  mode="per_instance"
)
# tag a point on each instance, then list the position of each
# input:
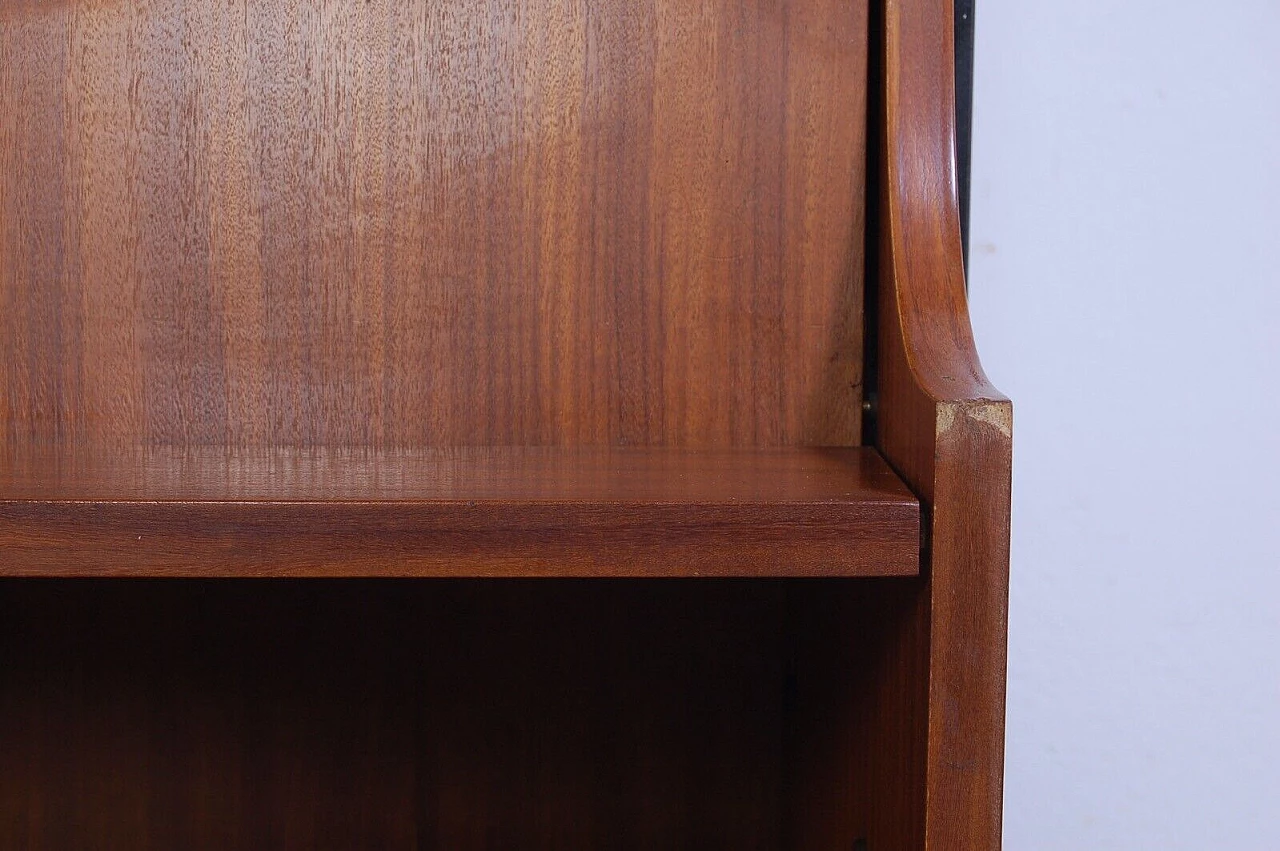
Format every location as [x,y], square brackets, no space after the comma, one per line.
[460,512]
[400,715]
[938,727]
[313,255]
[384,223]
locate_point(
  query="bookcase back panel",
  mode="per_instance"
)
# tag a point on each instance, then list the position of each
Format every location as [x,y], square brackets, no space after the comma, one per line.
[412,222]
[473,715]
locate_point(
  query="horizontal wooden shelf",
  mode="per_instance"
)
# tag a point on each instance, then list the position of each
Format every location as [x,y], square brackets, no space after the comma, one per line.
[210,511]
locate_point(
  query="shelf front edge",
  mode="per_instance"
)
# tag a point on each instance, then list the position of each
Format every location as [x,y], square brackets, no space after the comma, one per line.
[647,513]
[364,539]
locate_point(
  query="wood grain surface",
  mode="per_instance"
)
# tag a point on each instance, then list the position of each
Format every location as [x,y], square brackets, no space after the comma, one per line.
[384,224]
[453,715]
[456,512]
[278,278]
[937,725]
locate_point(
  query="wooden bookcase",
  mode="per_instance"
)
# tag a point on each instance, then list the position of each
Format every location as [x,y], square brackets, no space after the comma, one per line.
[495,424]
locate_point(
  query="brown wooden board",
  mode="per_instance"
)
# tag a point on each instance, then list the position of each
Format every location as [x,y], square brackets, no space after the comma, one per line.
[492,289]
[938,724]
[384,223]
[456,512]
[444,714]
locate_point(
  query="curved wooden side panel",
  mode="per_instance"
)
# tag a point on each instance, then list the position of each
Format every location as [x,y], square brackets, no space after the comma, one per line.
[948,432]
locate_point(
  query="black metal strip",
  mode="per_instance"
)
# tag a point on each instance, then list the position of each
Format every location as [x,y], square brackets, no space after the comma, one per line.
[964,113]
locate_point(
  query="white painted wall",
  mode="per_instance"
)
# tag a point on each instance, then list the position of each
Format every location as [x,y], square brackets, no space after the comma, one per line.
[1126,294]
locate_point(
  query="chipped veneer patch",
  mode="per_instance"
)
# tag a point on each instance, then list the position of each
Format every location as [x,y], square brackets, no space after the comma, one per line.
[997,414]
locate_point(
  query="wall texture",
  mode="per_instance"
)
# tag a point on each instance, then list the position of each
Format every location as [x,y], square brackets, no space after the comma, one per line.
[1126,293]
